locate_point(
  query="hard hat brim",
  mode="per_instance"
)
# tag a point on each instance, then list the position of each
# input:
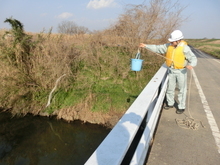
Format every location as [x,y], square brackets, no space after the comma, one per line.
[176,39]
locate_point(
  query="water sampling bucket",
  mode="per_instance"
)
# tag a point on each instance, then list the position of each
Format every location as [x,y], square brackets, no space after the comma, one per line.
[136,63]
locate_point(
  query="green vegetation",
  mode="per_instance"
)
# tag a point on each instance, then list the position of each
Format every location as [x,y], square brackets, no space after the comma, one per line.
[93,71]
[83,76]
[97,73]
[210,46]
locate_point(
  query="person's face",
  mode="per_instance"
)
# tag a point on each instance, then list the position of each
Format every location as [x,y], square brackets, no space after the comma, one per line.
[175,43]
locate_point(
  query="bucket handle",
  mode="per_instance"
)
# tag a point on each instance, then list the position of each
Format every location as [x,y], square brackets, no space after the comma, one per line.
[138,55]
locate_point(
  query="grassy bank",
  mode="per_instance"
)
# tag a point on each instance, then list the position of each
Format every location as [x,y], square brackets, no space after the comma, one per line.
[210,46]
[75,76]
[84,77]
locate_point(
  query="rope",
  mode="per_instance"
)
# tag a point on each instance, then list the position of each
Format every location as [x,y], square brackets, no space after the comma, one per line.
[156,53]
[190,82]
[161,55]
[188,122]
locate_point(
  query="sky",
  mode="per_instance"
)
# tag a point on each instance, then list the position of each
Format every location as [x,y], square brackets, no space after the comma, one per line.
[42,15]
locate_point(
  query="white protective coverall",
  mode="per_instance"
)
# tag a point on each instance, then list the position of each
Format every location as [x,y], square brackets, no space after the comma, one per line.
[176,76]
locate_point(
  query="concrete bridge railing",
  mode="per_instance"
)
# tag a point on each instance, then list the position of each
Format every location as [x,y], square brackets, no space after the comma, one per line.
[129,141]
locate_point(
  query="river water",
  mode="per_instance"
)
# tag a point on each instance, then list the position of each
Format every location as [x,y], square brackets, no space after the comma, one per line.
[36,140]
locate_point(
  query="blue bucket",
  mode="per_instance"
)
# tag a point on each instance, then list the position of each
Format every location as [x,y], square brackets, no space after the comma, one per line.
[136,64]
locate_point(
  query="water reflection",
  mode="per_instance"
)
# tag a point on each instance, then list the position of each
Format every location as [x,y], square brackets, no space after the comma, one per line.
[40,140]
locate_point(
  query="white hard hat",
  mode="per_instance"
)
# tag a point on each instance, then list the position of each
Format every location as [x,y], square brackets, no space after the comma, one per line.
[175,36]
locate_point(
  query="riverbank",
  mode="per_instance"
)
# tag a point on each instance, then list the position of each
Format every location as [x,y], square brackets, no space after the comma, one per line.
[108,119]
[72,77]
[93,82]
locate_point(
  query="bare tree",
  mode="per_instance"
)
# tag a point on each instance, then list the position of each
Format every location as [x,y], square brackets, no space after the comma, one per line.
[71,28]
[148,21]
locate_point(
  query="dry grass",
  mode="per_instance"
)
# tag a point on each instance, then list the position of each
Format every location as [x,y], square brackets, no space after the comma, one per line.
[210,46]
[97,66]
[97,69]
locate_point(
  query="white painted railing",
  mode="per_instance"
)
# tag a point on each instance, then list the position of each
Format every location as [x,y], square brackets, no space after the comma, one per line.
[129,141]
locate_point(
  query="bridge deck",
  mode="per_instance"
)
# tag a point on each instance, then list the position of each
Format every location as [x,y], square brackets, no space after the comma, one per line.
[176,145]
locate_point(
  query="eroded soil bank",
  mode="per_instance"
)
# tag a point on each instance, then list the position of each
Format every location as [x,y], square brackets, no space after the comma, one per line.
[108,119]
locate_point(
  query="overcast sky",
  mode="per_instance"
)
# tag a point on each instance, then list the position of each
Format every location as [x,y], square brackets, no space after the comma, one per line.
[39,15]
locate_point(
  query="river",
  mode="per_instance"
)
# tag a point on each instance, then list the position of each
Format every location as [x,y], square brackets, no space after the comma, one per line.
[37,140]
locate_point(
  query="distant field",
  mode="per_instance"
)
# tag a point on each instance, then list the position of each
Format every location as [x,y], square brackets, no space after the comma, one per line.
[210,46]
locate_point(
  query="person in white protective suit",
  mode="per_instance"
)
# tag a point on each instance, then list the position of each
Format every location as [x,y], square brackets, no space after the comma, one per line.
[179,58]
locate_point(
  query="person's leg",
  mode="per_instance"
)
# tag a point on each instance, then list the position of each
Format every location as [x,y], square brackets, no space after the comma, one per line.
[182,85]
[171,88]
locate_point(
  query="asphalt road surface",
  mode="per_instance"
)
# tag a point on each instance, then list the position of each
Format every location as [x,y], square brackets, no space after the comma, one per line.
[174,142]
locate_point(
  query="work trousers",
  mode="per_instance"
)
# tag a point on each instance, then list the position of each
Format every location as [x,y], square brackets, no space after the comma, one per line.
[177,78]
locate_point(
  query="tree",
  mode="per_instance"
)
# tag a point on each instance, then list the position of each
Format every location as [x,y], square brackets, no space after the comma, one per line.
[155,20]
[71,28]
